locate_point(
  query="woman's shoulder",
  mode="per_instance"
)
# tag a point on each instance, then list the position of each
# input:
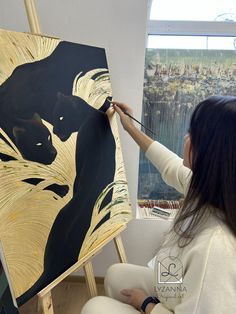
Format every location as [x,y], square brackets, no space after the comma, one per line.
[215,240]
[224,241]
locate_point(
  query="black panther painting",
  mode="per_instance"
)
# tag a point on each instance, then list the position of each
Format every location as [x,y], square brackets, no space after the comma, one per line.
[69,155]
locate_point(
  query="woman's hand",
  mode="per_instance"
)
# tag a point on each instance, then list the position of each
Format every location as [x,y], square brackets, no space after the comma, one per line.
[140,138]
[125,120]
[135,297]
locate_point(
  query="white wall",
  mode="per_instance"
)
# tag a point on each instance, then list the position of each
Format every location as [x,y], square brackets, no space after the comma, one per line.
[119,27]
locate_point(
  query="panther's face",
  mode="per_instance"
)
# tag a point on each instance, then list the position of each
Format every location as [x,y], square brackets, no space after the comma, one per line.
[34,141]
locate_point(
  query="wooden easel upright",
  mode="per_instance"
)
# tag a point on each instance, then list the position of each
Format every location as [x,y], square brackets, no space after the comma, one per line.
[45,305]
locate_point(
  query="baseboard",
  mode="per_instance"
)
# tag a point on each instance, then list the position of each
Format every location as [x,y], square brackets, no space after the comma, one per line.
[81,279]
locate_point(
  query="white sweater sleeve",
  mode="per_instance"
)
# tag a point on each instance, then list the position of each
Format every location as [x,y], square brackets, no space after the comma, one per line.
[171,167]
[210,278]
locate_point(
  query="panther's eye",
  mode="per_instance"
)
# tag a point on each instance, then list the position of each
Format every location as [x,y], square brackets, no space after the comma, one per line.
[61,118]
[39,144]
[49,138]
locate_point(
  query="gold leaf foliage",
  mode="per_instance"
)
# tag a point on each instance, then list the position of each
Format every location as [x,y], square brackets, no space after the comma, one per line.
[19,48]
[93,91]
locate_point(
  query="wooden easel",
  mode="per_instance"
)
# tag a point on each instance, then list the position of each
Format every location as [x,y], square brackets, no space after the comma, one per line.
[45,305]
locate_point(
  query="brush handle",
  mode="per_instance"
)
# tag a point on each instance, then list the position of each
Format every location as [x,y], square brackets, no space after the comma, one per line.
[125,112]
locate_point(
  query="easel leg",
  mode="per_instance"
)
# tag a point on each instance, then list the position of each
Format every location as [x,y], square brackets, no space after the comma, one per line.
[32,16]
[120,249]
[45,305]
[90,280]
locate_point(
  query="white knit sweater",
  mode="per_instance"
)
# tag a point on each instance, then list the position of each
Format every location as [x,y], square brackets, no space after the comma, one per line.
[207,266]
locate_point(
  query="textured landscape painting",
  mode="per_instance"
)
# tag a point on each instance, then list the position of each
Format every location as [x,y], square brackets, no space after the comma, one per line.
[175,82]
[63,188]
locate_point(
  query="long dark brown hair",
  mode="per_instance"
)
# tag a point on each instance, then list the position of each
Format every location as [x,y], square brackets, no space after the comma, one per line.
[213,182]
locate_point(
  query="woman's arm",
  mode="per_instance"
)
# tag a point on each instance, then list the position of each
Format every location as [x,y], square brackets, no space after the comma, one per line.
[140,138]
[171,167]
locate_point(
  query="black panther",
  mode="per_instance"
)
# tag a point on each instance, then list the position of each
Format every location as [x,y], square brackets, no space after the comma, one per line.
[31,137]
[95,169]
[34,141]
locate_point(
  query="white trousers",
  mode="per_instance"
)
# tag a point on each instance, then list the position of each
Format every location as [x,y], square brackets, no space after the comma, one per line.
[118,277]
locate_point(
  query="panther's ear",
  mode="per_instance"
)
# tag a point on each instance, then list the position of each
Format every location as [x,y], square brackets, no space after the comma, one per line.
[17,131]
[37,117]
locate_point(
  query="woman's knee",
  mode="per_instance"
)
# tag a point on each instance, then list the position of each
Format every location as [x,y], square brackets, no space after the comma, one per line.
[105,305]
[118,278]
[94,306]
[114,280]
[122,276]
[114,271]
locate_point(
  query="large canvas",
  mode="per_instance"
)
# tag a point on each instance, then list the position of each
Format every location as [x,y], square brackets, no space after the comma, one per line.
[63,188]
[175,82]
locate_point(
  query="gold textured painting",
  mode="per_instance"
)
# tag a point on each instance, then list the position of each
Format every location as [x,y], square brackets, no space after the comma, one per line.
[63,187]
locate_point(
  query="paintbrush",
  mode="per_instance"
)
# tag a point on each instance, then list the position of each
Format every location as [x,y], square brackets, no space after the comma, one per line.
[125,112]
[131,117]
